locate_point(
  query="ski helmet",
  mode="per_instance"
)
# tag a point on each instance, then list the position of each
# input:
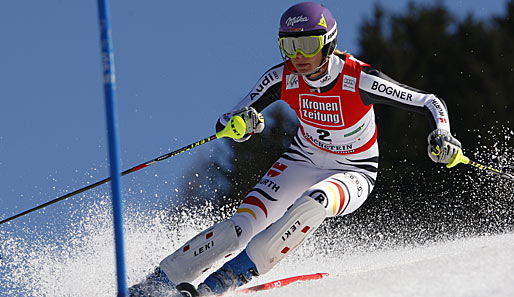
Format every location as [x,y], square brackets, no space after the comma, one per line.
[310,19]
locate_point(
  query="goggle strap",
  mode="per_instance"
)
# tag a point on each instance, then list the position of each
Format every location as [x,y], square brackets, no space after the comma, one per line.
[330,35]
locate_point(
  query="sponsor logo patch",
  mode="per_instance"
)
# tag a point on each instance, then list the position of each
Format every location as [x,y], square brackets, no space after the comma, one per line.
[291,21]
[391,90]
[263,84]
[321,110]
[355,181]
[349,83]
[291,230]
[291,81]
[320,196]
[322,21]
[204,248]
[339,149]
[438,107]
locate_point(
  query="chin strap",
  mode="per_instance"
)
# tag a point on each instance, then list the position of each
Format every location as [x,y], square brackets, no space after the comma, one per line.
[318,69]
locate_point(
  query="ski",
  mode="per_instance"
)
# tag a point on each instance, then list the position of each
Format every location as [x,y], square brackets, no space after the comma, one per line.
[282,282]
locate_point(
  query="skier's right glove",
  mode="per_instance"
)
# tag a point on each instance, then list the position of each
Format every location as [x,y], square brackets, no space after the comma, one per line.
[254,122]
[442,146]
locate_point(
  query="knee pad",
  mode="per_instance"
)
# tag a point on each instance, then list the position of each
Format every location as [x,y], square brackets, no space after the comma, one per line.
[201,252]
[271,245]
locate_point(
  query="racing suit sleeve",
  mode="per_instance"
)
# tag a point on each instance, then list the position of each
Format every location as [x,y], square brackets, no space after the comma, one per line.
[266,91]
[377,88]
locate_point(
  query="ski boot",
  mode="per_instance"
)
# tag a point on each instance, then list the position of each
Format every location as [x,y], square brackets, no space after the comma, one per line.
[188,290]
[233,274]
[156,284]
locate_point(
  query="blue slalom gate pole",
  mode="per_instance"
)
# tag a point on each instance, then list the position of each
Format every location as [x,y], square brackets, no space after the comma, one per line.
[112,131]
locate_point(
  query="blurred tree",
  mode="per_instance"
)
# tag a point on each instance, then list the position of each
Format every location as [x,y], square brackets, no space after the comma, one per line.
[469,64]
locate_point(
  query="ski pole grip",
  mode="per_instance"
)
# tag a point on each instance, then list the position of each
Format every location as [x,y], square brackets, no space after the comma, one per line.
[235,128]
[459,158]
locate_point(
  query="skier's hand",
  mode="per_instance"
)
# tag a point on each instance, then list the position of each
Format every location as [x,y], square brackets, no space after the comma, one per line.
[254,122]
[442,146]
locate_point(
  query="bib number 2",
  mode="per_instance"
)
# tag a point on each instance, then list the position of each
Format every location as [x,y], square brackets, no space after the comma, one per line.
[323,135]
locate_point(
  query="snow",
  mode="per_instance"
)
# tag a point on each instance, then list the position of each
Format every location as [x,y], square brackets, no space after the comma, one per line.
[81,262]
[478,266]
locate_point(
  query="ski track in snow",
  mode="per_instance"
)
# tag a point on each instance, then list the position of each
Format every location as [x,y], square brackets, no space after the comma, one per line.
[480,266]
[81,263]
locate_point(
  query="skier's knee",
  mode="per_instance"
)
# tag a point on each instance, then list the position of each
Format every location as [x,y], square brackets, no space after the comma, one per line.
[270,246]
[319,196]
[342,193]
[244,229]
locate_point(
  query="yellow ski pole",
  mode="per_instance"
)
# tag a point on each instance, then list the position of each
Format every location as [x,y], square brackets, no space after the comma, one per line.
[460,158]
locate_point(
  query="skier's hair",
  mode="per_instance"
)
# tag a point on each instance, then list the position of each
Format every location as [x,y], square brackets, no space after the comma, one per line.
[338,52]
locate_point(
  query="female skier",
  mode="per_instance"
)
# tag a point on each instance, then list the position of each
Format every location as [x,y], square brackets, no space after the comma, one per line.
[329,169]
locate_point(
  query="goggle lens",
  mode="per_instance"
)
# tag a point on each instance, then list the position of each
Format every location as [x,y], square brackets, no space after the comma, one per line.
[308,46]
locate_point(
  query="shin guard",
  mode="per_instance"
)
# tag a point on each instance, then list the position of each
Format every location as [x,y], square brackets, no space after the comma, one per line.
[198,254]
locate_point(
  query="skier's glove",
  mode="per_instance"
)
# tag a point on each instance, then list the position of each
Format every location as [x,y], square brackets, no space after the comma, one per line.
[254,122]
[442,146]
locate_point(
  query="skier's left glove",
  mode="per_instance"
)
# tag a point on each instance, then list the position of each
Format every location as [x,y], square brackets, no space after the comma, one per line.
[254,122]
[442,146]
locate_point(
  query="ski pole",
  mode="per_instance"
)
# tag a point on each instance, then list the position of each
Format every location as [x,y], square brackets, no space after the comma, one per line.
[460,158]
[235,129]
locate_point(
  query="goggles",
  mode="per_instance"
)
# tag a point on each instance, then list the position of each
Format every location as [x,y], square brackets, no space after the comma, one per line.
[308,46]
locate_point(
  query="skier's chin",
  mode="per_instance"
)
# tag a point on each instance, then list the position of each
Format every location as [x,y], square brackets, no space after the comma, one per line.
[304,68]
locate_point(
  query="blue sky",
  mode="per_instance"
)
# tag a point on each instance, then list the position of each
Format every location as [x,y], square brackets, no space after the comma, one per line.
[179,65]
